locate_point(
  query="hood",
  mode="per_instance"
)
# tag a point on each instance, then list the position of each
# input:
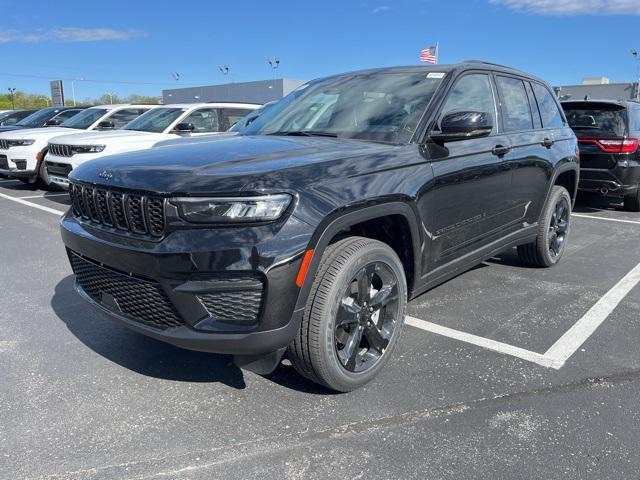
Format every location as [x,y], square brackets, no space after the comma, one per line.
[43,133]
[107,138]
[9,128]
[236,163]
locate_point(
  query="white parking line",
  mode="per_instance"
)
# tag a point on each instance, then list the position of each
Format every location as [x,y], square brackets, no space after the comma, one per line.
[9,180]
[34,205]
[47,195]
[595,217]
[556,356]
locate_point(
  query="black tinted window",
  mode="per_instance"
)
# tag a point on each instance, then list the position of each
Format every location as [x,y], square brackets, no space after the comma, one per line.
[471,93]
[607,119]
[122,117]
[537,120]
[66,115]
[516,114]
[551,116]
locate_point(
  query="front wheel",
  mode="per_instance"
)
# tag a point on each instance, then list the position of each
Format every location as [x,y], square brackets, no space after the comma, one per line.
[553,232]
[354,315]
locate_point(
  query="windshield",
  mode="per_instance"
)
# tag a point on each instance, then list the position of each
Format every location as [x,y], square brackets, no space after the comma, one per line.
[156,120]
[383,107]
[85,119]
[38,118]
[602,119]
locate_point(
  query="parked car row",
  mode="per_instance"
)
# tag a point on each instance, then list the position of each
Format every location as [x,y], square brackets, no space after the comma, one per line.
[46,145]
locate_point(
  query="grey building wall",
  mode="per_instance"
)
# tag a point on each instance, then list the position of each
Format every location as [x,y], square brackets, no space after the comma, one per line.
[611,91]
[261,91]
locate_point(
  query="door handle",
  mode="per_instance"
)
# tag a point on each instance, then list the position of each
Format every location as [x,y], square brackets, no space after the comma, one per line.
[547,142]
[500,150]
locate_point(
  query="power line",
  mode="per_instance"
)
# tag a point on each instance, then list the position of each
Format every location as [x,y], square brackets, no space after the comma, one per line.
[93,80]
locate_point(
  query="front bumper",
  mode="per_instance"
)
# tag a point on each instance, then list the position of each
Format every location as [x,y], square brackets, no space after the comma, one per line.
[18,162]
[620,181]
[194,272]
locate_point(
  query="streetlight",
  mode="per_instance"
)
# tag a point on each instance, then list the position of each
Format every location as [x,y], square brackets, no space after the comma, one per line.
[274,64]
[111,95]
[46,99]
[225,70]
[636,55]
[73,89]
[12,90]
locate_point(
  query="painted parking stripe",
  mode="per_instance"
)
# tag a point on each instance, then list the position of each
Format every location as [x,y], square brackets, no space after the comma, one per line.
[10,180]
[34,205]
[556,356]
[595,217]
[46,195]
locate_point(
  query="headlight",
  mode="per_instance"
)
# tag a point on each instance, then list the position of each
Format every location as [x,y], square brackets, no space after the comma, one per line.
[232,209]
[87,148]
[20,143]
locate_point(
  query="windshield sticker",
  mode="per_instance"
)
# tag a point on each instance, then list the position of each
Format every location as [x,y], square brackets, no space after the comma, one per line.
[435,75]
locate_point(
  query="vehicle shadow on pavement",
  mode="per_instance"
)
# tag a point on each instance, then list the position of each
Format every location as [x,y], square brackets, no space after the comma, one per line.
[136,352]
[589,202]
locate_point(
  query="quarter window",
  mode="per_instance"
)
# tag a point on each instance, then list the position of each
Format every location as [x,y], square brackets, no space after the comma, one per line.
[472,92]
[549,111]
[516,114]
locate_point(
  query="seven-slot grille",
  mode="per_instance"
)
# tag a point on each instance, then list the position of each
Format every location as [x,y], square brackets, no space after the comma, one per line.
[130,212]
[4,144]
[137,299]
[61,150]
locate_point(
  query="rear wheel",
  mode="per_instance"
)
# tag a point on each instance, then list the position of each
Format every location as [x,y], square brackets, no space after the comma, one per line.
[632,203]
[354,315]
[553,232]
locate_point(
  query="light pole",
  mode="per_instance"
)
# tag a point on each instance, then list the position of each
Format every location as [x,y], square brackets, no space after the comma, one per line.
[12,90]
[225,70]
[46,99]
[73,89]
[274,64]
[111,95]
[636,55]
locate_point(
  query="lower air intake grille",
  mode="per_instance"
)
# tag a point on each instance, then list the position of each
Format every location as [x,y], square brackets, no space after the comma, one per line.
[140,300]
[235,299]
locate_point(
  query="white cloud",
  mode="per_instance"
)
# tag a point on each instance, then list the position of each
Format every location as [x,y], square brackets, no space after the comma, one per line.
[381,8]
[68,35]
[573,7]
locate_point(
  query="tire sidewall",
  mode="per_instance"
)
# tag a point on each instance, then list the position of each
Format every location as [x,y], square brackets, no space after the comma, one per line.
[344,379]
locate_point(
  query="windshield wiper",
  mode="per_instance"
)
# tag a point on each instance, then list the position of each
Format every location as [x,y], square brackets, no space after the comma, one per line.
[305,133]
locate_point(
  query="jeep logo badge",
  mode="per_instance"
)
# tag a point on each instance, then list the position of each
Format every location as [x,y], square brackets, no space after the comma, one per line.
[106,174]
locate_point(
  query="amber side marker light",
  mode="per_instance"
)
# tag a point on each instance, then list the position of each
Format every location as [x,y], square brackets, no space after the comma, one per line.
[304,268]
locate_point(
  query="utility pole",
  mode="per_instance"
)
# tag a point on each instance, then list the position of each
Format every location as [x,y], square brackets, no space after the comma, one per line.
[12,90]
[636,55]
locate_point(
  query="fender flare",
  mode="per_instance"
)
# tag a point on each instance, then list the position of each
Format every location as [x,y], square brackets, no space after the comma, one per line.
[567,166]
[331,226]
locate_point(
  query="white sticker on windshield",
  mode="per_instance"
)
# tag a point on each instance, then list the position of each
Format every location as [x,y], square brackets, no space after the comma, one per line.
[435,75]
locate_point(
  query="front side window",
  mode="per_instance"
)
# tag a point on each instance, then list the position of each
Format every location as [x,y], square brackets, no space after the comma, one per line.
[516,114]
[121,117]
[204,120]
[85,119]
[549,111]
[379,106]
[471,93]
[156,120]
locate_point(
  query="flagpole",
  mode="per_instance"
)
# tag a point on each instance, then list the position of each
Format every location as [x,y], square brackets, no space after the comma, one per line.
[437,52]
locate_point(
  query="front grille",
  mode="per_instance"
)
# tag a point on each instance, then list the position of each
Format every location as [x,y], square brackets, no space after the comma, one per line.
[61,150]
[129,212]
[137,299]
[4,144]
[237,298]
[59,169]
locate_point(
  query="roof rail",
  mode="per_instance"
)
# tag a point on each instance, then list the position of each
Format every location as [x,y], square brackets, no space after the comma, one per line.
[488,63]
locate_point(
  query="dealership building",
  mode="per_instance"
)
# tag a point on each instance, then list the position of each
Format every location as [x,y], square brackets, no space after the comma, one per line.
[599,88]
[261,91]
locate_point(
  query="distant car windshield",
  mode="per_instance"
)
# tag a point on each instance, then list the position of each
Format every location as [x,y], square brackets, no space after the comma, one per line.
[38,118]
[604,119]
[85,119]
[380,106]
[156,120]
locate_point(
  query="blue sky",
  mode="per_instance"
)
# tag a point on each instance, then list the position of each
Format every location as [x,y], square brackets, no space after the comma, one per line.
[138,44]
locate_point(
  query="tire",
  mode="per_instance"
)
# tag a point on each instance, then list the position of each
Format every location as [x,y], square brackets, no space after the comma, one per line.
[331,325]
[553,232]
[632,203]
[43,175]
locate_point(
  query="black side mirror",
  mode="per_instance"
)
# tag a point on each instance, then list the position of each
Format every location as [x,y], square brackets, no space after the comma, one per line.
[53,122]
[463,125]
[184,128]
[106,125]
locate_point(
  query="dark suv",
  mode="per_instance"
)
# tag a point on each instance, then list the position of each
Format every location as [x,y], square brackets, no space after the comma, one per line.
[608,132]
[307,233]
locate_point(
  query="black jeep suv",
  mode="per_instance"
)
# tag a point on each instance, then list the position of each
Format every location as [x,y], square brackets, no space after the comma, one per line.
[307,233]
[608,132]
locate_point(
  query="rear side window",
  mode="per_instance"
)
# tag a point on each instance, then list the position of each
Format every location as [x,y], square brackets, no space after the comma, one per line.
[516,114]
[549,111]
[599,119]
[472,92]
[537,119]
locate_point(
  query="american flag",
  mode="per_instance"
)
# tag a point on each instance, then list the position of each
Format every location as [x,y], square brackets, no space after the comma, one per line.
[429,55]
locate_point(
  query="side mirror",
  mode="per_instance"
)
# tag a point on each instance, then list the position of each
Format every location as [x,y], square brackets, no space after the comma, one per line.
[463,125]
[184,128]
[53,122]
[106,125]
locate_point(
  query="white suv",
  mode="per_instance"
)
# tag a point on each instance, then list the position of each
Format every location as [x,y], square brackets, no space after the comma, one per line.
[22,151]
[162,123]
